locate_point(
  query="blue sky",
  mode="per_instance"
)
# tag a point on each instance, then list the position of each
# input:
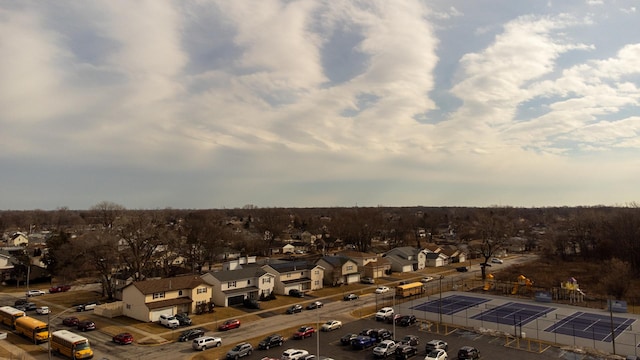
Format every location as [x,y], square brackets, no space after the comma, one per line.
[220,104]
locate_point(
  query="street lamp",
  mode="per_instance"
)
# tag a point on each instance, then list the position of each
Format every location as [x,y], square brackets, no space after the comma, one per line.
[440,301]
[49,326]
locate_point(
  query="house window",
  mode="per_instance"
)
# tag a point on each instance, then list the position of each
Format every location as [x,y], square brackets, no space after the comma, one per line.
[128,306]
[201,302]
[317,272]
[201,290]
[231,284]
[249,282]
[179,292]
[288,275]
[349,267]
[159,295]
[266,280]
[302,273]
[316,283]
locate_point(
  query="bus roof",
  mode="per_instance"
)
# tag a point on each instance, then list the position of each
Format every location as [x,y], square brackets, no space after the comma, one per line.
[411,285]
[68,336]
[31,321]
[11,310]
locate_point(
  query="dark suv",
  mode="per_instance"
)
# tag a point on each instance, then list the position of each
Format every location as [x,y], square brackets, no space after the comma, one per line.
[184,319]
[405,351]
[191,334]
[468,353]
[296,293]
[240,350]
[271,341]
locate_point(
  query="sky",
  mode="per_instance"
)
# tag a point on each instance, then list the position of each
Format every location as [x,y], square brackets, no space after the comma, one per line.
[221,104]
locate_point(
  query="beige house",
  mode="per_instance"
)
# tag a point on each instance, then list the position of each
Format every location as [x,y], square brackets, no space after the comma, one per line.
[339,270]
[299,275]
[18,239]
[231,287]
[378,268]
[147,300]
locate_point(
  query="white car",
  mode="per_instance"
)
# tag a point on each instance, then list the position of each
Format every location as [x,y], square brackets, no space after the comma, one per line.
[293,354]
[35,293]
[169,321]
[382,289]
[427,279]
[384,313]
[497,261]
[331,325]
[437,354]
[43,310]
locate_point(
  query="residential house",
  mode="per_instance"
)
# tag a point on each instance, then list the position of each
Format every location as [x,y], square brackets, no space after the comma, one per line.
[288,249]
[232,287]
[18,239]
[6,267]
[437,259]
[406,258]
[339,270]
[454,254]
[147,300]
[370,265]
[300,275]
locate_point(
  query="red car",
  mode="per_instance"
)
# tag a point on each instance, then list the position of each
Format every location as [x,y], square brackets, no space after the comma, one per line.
[59,288]
[123,339]
[71,321]
[229,324]
[304,332]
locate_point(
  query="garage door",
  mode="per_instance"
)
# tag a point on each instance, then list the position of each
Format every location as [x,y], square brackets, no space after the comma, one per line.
[235,300]
[353,278]
[155,314]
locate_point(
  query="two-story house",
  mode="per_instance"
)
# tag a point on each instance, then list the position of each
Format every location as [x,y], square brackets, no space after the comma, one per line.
[406,258]
[370,265]
[147,300]
[339,270]
[298,274]
[231,287]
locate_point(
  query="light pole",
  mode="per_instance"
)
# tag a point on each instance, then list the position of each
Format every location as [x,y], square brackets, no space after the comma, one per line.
[440,300]
[49,326]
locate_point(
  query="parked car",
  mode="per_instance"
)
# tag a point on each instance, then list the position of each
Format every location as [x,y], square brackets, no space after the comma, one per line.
[294,309]
[384,313]
[191,334]
[385,348]
[304,332]
[315,305]
[70,321]
[20,302]
[59,288]
[251,304]
[86,325]
[229,324]
[468,353]
[382,289]
[123,339]
[206,342]
[87,306]
[437,354]
[296,293]
[28,306]
[410,340]
[462,269]
[368,280]
[350,297]
[169,321]
[331,325]
[294,354]
[427,279]
[404,351]
[183,319]
[34,293]
[363,342]
[240,350]
[271,341]
[497,261]
[406,320]
[346,339]
[436,344]
[42,310]
[382,334]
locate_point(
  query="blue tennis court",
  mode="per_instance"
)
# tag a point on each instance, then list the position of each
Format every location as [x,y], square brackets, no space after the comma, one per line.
[450,305]
[591,326]
[513,313]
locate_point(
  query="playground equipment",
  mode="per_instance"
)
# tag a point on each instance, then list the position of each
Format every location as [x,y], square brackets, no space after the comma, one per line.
[490,283]
[571,290]
[522,281]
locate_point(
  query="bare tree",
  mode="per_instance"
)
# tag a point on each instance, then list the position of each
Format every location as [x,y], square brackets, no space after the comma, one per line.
[107,212]
[100,250]
[494,230]
[139,236]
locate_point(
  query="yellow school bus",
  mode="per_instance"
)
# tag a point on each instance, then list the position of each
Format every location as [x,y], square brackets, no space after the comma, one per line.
[411,289]
[71,345]
[34,329]
[8,315]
